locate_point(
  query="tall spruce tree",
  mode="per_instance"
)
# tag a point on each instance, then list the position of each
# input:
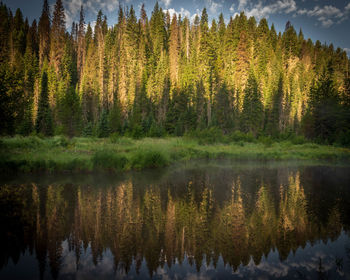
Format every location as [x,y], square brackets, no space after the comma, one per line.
[57,37]
[44,33]
[252,113]
[43,122]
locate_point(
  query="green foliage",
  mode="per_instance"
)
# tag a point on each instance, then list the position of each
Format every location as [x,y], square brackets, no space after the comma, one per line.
[61,141]
[30,154]
[252,113]
[343,138]
[148,159]
[137,132]
[108,160]
[156,130]
[324,114]
[207,136]
[238,136]
[88,130]
[44,122]
[103,125]
[114,137]
[267,141]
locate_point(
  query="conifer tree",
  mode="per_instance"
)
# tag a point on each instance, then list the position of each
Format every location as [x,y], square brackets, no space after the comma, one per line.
[43,122]
[81,43]
[252,113]
[57,41]
[44,33]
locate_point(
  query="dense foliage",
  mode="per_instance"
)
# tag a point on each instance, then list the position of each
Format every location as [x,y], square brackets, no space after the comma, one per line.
[165,75]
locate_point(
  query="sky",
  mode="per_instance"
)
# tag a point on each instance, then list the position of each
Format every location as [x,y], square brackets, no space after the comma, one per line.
[324,20]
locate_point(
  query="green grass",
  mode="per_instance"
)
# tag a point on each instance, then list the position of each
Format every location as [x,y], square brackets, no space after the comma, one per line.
[32,154]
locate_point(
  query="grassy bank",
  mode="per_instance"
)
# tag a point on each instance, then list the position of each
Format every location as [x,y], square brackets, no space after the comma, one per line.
[30,154]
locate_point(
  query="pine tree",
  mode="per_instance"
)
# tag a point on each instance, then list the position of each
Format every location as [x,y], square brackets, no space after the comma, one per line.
[81,43]
[174,46]
[324,110]
[252,113]
[43,122]
[57,39]
[44,33]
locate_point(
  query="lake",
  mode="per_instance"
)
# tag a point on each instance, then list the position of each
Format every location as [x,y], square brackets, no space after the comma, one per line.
[213,220]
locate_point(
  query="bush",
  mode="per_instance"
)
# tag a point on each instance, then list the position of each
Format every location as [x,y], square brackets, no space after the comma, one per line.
[156,131]
[25,142]
[114,137]
[343,138]
[60,141]
[148,159]
[266,140]
[87,130]
[238,136]
[298,140]
[137,132]
[207,136]
[108,160]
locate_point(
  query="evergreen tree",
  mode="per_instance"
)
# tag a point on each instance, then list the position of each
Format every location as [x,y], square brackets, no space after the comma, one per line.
[81,43]
[57,39]
[103,125]
[252,113]
[324,110]
[44,33]
[43,122]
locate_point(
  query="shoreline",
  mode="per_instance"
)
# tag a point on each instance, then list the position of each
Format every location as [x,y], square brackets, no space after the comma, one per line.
[88,155]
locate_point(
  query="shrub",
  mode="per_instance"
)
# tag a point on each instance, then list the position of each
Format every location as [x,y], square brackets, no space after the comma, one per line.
[25,142]
[266,140]
[137,132]
[238,136]
[156,131]
[207,136]
[88,130]
[108,160]
[343,138]
[298,140]
[60,141]
[148,159]
[114,137]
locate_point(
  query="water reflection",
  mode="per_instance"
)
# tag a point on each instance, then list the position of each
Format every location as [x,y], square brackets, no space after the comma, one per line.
[280,222]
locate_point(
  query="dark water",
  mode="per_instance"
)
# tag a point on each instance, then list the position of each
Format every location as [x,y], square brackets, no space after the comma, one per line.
[197,222]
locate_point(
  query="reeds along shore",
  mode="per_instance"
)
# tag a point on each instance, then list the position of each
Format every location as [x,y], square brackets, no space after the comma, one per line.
[32,154]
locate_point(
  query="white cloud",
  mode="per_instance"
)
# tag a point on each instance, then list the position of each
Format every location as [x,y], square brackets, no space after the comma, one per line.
[326,11]
[264,10]
[327,23]
[242,4]
[327,15]
[183,12]
[72,8]
[213,7]
[347,7]
[347,50]
[166,3]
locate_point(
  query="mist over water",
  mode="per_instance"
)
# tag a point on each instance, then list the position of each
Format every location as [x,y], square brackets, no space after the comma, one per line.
[200,221]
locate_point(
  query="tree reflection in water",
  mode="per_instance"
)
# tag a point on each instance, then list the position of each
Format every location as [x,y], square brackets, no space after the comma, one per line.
[197,218]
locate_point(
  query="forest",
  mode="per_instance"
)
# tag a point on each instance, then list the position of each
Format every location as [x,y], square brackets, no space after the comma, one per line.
[166,75]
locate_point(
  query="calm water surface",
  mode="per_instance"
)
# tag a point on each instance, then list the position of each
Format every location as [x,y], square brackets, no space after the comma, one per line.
[217,221]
